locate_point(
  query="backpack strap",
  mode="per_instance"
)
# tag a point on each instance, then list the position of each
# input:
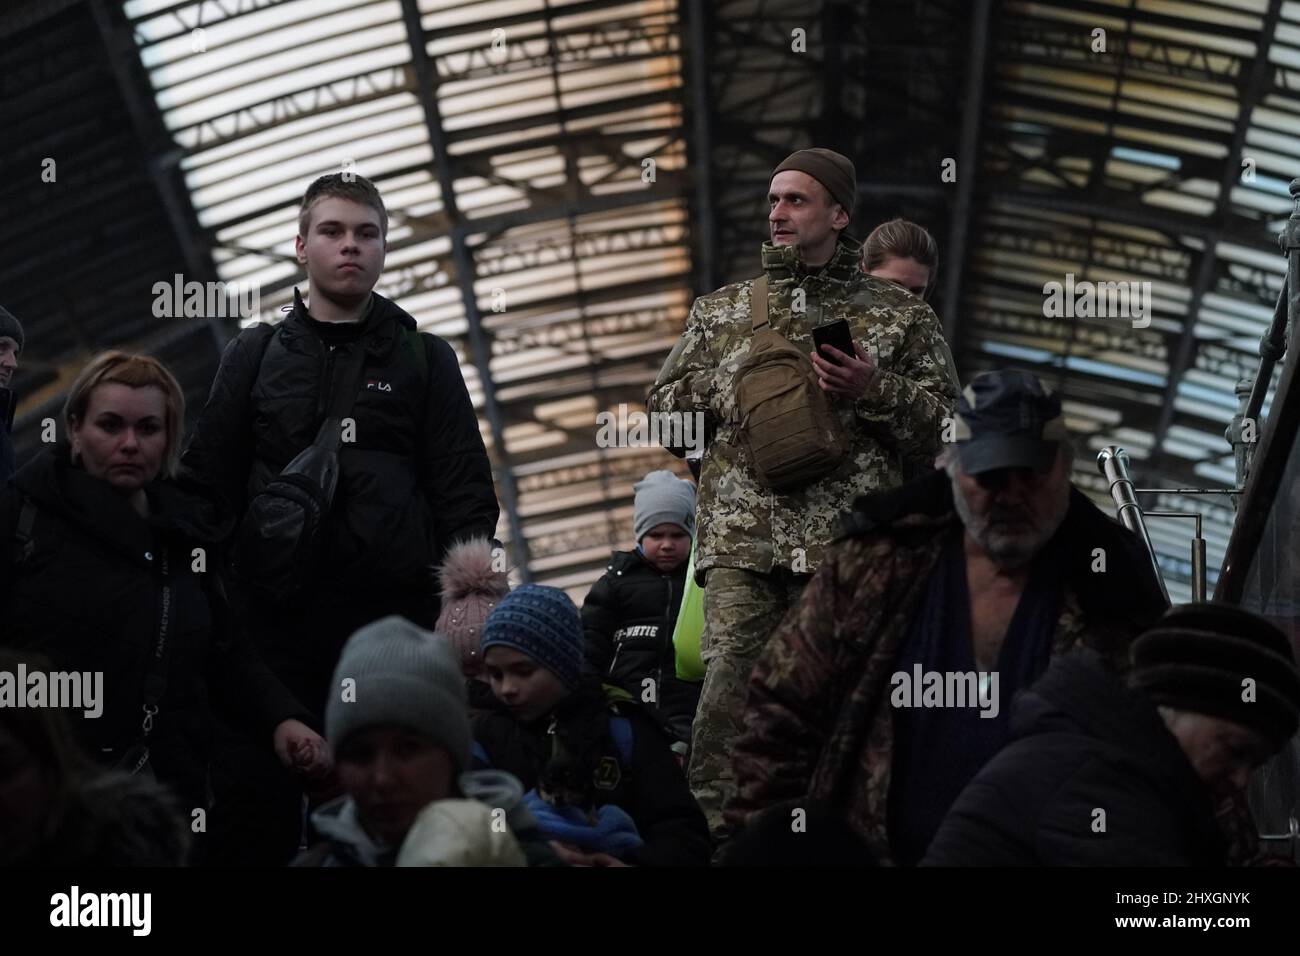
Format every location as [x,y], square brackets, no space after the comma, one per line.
[421,355]
[267,332]
[478,752]
[758,302]
[23,544]
[620,730]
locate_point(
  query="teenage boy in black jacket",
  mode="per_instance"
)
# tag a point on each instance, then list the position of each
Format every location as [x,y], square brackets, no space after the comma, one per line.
[630,613]
[555,731]
[414,476]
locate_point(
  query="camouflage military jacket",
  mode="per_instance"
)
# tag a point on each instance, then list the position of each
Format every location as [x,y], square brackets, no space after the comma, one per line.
[894,429]
[818,720]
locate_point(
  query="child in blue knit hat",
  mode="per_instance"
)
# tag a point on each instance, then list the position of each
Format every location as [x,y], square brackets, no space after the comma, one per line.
[601,778]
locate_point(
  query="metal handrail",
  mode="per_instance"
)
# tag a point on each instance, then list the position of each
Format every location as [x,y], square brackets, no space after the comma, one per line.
[1112,462]
[1189,491]
[1292,835]
[1198,549]
[1265,464]
[1252,392]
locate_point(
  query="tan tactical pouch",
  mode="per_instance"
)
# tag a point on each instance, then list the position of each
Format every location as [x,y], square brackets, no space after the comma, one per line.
[793,433]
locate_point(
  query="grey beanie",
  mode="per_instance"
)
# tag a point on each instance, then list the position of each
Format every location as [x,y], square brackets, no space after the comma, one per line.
[11,327]
[403,675]
[663,498]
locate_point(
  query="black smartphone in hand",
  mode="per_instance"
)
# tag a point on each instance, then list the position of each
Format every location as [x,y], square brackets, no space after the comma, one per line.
[836,335]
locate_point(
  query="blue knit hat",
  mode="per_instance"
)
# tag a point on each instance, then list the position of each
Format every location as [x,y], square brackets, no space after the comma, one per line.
[543,623]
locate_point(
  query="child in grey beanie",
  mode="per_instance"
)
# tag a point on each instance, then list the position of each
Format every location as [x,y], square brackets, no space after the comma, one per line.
[392,672]
[398,722]
[629,614]
[663,498]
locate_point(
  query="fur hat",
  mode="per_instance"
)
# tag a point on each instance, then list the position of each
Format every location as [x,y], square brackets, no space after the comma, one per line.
[1199,657]
[471,588]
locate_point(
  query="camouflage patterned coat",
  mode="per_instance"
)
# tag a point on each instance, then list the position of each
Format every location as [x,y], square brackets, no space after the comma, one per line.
[818,722]
[894,428]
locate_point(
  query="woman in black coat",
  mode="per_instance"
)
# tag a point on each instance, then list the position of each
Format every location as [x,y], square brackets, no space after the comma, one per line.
[1093,779]
[109,569]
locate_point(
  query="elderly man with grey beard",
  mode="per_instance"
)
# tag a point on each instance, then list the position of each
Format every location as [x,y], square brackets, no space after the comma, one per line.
[969,580]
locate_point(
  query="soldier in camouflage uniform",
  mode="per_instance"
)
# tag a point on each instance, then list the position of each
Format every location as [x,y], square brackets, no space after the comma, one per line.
[757,548]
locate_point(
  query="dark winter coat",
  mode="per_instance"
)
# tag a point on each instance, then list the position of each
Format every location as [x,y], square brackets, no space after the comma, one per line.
[109,820]
[88,595]
[1083,743]
[8,463]
[416,478]
[651,788]
[628,620]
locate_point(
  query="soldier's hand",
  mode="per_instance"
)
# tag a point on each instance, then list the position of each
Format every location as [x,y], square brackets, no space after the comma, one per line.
[842,374]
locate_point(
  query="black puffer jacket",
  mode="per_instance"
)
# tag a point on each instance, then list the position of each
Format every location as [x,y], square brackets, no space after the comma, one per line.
[1083,743]
[88,596]
[651,788]
[415,479]
[8,463]
[628,620]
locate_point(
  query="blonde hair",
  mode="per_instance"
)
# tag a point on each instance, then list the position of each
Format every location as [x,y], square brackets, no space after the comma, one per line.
[901,239]
[133,371]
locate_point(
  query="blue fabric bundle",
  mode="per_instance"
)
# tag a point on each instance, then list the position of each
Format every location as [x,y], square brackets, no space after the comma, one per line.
[614,832]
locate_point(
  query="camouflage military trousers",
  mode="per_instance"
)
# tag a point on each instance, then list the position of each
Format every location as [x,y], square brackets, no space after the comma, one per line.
[741,610]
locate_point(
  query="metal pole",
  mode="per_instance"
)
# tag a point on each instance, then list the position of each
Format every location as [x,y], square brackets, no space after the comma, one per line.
[1198,550]
[146,119]
[1276,439]
[1290,243]
[1233,433]
[1188,491]
[480,349]
[1273,345]
[705,224]
[1112,462]
[1286,316]
[1198,565]
[967,170]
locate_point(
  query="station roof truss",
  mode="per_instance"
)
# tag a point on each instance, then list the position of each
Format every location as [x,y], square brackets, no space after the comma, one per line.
[563,177]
